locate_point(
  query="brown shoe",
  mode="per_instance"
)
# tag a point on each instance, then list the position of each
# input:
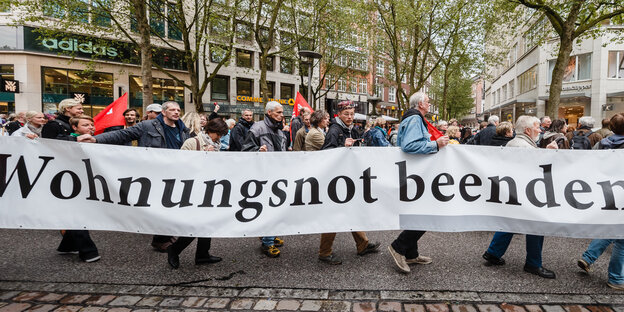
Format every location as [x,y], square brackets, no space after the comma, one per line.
[419,260]
[399,260]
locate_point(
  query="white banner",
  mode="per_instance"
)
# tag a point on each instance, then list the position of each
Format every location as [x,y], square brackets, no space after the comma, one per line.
[46,184]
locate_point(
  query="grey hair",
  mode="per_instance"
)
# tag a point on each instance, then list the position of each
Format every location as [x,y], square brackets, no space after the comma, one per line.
[416,98]
[524,122]
[494,119]
[271,106]
[442,123]
[587,121]
[230,122]
[67,103]
[169,103]
[543,118]
[247,110]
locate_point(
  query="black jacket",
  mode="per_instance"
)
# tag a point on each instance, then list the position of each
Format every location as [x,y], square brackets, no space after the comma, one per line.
[499,140]
[337,135]
[58,129]
[150,133]
[239,133]
[484,137]
[13,126]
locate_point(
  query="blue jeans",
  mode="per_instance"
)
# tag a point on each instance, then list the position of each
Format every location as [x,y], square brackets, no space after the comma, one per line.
[534,244]
[268,240]
[616,264]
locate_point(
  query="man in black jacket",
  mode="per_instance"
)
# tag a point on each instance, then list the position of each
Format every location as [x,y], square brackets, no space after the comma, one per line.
[484,137]
[14,125]
[74,241]
[166,131]
[342,134]
[239,132]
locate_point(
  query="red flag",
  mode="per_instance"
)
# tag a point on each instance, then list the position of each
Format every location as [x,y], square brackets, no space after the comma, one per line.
[300,102]
[435,133]
[112,115]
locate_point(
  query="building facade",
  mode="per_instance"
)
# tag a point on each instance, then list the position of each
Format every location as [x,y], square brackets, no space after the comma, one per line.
[593,83]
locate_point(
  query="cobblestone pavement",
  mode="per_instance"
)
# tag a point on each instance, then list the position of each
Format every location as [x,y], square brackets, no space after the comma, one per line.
[85,297]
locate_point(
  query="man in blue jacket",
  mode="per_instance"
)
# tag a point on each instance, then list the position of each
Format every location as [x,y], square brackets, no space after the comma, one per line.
[413,138]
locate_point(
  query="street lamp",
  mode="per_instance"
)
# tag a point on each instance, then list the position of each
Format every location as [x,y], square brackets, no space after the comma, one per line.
[309,57]
[374,100]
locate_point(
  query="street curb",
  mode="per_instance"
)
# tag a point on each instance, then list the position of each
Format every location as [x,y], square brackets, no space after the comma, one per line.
[316,294]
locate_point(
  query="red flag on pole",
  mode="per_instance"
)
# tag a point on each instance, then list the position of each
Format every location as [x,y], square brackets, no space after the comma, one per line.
[300,102]
[435,133]
[112,115]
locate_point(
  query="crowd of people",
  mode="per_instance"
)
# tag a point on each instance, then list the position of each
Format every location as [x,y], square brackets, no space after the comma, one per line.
[162,126]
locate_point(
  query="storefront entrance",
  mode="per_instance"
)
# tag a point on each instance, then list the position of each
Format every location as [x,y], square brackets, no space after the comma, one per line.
[571,114]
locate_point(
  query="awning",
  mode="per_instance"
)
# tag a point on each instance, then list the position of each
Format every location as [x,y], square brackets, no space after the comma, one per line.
[388,118]
[359,116]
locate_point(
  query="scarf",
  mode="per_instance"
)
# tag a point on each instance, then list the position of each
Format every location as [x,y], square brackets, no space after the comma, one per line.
[342,124]
[34,129]
[172,141]
[272,123]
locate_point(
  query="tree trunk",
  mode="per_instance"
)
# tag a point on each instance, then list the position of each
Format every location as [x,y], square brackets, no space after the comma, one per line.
[264,88]
[443,114]
[563,58]
[145,47]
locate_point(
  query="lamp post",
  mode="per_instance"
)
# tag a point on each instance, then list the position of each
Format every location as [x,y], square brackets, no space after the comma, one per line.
[309,57]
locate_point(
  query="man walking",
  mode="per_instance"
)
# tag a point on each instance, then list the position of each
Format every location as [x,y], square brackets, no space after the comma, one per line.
[267,136]
[342,134]
[413,138]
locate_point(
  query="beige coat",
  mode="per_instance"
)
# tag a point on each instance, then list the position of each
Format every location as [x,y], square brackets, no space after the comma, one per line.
[314,140]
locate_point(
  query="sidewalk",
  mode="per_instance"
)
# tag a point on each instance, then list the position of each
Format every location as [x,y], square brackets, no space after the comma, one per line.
[84,297]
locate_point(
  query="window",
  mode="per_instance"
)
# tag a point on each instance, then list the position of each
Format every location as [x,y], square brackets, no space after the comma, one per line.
[271,90]
[244,87]
[505,96]
[392,72]
[173,32]
[342,84]
[217,53]
[363,85]
[511,88]
[378,88]
[391,94]
[84,11]
[328,82]
[219,25]
[404,78]
[164,90]
[379,69]
[244,58]
[95,88]
[244,31]
[270,63]
[528,80]
[156,17]
[616,65]
[579,68]
[7,72]
[353,85]
[287,66]
[5,6]
[220,88]
[287,91]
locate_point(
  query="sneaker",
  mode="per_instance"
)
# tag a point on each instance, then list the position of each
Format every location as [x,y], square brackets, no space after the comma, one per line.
[331,259]
[270,251]
[584,265]
[419,260]
[370,248]
[616,286]
[278,242]
[399,260]
[91,259]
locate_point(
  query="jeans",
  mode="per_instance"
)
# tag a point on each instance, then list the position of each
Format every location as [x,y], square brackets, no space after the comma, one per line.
[407,243]
[534,244]
[268,240]
[616,264]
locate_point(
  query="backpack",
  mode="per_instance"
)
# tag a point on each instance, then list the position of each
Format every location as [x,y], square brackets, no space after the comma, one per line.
[580,140]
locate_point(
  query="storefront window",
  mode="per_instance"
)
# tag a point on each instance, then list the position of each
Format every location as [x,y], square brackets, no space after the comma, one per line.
[244,58]
[616,64]
[7,99]
[527,80]
[94,90]
[220,88]
[287,91]
[163,90]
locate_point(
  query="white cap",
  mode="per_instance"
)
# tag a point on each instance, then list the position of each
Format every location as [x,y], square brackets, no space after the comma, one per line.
[154,108]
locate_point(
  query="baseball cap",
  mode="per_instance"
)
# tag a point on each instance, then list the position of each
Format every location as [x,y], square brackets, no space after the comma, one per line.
[154,108]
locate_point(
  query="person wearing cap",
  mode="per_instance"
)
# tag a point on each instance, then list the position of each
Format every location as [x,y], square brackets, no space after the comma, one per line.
[152,111]
[342,134]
